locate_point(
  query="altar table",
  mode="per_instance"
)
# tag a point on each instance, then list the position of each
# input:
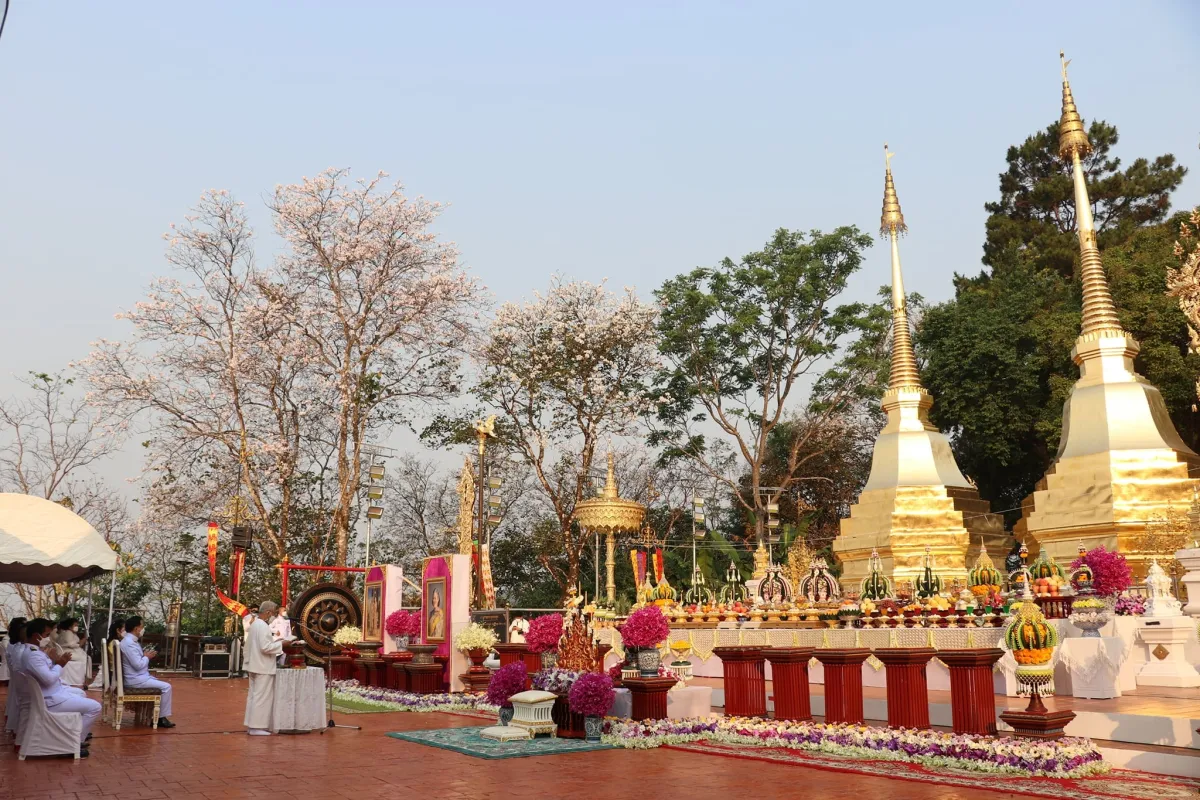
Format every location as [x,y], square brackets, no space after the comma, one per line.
[683,702]
[299,700]
[1093,666]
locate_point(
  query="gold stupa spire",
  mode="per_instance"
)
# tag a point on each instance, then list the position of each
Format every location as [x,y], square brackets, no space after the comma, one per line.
[891,225]
[1099,313]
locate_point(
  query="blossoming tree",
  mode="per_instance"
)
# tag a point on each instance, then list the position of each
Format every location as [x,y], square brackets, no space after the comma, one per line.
[566,371]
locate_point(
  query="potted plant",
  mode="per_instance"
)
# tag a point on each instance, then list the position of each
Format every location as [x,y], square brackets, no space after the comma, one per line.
[543,636]
[506,682]
[592,696]
[346,637]
[402,626]
[645,630]
[476,641]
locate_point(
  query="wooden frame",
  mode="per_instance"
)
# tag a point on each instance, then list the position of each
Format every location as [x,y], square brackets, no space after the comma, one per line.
[373,612]
[435,588]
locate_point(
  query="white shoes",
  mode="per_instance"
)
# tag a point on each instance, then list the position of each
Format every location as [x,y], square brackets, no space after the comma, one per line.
[258,732]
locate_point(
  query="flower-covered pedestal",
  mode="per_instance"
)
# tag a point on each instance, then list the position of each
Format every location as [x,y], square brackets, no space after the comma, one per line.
[907,686]
[843,683]
[744,670]
[789,681]
[972,697]
[649,697]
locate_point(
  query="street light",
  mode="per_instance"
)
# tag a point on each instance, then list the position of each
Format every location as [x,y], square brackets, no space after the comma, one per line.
[183,564]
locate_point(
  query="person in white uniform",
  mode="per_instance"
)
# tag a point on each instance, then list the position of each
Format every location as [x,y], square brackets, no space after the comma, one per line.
[262,649]
[75,673]
[13,655]
[60,698]
[135,667]
[281,631]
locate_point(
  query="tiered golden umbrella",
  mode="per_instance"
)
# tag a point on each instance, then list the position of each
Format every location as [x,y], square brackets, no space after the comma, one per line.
[610,515]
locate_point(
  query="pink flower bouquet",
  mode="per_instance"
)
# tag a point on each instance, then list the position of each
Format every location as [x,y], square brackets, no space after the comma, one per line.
[544,633]
[646,627]
[506,682]
[592,694]
[403,623]
[1110,570]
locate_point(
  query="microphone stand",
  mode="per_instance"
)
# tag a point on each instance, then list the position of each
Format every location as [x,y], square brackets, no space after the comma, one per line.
[327,661]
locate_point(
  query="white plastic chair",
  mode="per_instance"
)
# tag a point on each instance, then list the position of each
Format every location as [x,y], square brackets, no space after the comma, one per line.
[45,732]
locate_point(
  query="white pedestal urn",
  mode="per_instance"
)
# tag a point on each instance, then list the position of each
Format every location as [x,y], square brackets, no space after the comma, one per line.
[1190,559]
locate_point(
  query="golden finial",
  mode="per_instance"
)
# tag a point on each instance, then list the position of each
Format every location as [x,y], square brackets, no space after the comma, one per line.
[904,363]
[1072,138]
[610,480]
[892,221]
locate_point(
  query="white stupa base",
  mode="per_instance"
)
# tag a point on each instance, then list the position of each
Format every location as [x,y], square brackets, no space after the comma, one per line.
[1165,640]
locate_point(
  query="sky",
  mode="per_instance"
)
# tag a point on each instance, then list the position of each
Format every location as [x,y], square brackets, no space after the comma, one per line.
[621,141]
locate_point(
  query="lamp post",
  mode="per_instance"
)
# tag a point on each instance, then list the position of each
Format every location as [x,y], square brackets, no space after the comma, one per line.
[183,564]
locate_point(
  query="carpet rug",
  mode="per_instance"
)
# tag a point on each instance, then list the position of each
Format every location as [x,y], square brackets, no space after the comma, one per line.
[1114,785]
[468,742]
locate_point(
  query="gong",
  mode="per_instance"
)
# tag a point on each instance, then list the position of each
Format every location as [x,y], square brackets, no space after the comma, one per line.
[321,610]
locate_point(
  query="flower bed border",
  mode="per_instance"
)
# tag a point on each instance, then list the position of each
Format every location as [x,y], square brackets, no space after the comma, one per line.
[395,700]
[1063,758]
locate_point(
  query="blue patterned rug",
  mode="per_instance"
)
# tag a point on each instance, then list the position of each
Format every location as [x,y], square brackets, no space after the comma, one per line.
[468,742]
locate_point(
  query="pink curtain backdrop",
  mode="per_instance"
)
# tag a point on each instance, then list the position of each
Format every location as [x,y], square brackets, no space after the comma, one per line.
[438,568]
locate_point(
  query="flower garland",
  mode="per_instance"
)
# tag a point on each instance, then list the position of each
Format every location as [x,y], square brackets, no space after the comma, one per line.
[1064,758]
[394,700]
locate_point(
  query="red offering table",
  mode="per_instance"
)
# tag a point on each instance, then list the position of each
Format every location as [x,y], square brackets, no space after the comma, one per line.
[511,654]
[789,680]
[424,678]
[907,687]
[649,697]
[341,668]
[843,683]
[600,651]
[570,724]
[972,696]
[745,680]
[394,676]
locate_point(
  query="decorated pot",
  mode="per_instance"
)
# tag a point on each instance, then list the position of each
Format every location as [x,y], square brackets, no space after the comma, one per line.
[592,728]
[648,661]
[1030,638]
[506,715]
[1090,615]
[401,643]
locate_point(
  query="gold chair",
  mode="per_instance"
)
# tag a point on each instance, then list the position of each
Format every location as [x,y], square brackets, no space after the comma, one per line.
[143,699]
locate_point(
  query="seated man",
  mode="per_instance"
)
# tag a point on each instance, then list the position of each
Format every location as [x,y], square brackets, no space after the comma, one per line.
[59,697]
[136,668]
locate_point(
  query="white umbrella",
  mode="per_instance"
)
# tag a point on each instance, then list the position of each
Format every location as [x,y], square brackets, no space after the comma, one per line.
[42,542]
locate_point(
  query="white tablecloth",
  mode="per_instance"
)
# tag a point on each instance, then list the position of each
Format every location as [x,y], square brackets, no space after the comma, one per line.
[299,700]
[1093,666]
[682,702]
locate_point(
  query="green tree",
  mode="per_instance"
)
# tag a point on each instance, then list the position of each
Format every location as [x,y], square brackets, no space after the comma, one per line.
[997,356]
[741,338]
[1035,215]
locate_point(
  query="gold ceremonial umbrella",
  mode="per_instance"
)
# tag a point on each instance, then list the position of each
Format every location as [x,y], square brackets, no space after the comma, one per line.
[611,515]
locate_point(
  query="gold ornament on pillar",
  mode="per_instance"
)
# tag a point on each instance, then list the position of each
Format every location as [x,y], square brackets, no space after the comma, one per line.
[466,507]
[916,496]
[1121,467]
[610,514]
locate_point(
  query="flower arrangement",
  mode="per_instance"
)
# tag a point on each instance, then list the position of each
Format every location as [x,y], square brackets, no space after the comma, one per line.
[614,672]
[556,680]
[646,627]
[403,623]
[1062,758]
[506,682]
[1130,605]
[1088,603]
[1111,573]
[347,636]
[393,700]
[591,694]
[475,637]
[544,633]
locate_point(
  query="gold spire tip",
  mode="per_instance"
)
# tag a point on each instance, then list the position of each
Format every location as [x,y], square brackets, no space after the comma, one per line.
[892,220]
[1072,137]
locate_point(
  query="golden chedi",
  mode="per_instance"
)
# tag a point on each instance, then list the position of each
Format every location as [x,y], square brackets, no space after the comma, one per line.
[1121,465]
[916,495]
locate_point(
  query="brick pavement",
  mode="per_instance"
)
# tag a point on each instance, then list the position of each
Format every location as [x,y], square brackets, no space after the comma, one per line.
[209,757]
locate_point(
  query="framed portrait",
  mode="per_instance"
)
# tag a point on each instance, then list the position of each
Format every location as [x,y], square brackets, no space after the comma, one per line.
[373,612]
[434,607]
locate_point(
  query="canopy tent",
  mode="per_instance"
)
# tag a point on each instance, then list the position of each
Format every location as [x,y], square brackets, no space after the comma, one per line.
[43,542]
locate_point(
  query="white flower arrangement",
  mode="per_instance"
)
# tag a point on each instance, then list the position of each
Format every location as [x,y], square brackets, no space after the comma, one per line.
[393,700]
[347,636]
[475,637]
